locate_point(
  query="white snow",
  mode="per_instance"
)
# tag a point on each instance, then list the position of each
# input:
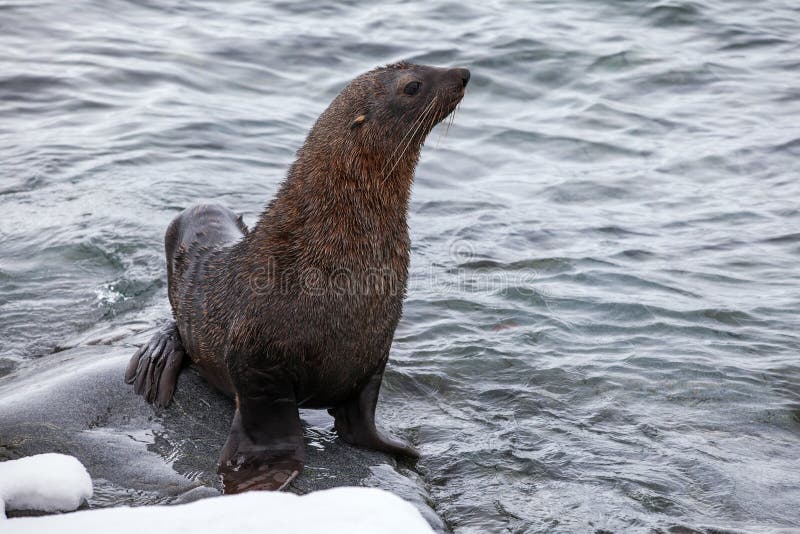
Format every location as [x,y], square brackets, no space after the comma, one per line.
[44,482]
[333,511]
[60,483]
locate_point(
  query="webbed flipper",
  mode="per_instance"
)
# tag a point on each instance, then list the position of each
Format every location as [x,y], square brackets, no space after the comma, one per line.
[155,367]
[354,421]
[265,449]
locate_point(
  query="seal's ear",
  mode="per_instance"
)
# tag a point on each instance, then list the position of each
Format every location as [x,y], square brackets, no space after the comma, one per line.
[358,121]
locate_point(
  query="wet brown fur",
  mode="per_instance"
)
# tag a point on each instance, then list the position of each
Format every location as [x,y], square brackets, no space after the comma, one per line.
[300,311]
[337,220]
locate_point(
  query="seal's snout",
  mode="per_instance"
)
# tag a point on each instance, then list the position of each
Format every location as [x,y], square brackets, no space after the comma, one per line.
[454,83]
[463,74]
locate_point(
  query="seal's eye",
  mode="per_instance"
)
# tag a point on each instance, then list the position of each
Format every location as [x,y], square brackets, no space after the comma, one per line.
[411,88]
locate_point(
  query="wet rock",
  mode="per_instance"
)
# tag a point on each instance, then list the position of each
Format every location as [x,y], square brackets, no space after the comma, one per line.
[76,402]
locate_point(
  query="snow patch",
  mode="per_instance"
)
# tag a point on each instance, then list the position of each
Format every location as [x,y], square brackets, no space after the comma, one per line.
[333,511]
[45,482]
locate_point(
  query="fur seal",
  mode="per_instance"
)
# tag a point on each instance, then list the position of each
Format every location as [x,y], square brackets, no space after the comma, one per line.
[300,310]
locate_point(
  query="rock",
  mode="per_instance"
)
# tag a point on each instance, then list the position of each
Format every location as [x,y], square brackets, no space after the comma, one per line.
[76,402]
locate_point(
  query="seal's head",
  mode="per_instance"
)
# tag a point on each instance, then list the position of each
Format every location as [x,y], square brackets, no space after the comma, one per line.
[404,96]
[379,121]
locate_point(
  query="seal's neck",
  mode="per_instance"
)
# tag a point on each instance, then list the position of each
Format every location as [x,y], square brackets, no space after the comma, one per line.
[335,211]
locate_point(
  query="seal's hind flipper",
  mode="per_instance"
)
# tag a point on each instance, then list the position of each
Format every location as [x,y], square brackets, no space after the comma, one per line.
[354,421]
[265,449]
[154,369]
[246,465]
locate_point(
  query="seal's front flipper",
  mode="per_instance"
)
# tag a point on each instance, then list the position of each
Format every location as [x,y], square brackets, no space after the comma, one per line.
[154,369]
[354,421]
[265,449]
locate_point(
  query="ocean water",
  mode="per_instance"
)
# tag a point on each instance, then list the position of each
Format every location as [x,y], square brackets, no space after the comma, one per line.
[601,329]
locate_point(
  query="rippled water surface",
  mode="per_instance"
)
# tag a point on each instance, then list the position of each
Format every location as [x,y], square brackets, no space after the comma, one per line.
[601,330]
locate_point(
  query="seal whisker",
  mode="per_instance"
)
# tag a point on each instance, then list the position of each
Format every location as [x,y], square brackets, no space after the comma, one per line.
[452,119]
[438,113]
[439,110]
[411,139]
[410,132]
[411,128]
[441,133]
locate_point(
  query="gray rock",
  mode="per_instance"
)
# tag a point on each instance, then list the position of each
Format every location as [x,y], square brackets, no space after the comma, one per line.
[76,402]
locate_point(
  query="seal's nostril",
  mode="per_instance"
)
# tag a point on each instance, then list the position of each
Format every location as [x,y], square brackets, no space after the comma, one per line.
[458,74]
[464,76]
